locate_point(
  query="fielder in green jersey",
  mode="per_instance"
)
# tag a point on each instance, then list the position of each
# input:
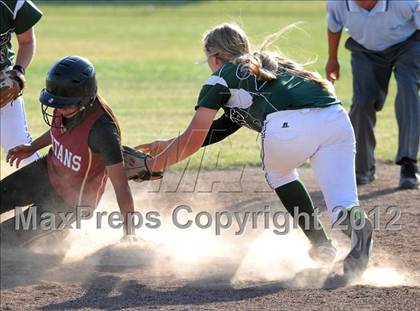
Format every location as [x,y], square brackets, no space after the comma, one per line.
[247,101]
[17,17]
[299,118]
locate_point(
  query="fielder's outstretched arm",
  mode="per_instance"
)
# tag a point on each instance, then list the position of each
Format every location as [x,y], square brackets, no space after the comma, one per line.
[154,148]
[187,143]
[219,130]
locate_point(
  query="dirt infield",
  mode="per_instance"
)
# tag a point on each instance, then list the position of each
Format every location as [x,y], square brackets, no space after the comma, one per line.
[194,268]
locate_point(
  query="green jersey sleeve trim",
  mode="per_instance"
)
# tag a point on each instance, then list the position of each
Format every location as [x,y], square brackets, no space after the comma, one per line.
[213,80]
[214,94]
[19,5]
[26,15]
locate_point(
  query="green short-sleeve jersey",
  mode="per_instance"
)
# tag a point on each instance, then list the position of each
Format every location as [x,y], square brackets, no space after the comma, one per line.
[15,16]
[247,101]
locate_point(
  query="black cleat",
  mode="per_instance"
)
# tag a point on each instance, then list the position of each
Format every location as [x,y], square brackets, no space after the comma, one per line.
[409,176]
[364,179]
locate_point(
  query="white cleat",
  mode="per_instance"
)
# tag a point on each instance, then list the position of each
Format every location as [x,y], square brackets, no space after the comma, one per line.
[361,228]
[360,231]
[357,260]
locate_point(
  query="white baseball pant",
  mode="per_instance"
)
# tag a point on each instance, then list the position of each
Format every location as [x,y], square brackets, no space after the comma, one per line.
[13,128]
[324,136]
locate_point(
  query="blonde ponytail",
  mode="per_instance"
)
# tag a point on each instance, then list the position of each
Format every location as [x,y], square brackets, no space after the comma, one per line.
[257,64]
[229,43]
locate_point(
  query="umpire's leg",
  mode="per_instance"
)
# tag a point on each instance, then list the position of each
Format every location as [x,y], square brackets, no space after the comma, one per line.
[407,102]
[371,75]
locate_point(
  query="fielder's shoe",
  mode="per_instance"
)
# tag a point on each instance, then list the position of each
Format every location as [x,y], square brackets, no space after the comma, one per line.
[361,232]
[409,176]
[359,228]
[323,253]
[365,178]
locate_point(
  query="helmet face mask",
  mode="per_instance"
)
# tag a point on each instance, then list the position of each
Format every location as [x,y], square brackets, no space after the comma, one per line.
[70,82]
[48,116]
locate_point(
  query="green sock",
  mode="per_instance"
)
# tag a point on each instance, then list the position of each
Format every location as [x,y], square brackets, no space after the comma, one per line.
[355,212]
[293,195]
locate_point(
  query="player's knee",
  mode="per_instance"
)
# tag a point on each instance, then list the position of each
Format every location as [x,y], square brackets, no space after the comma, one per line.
[276,180]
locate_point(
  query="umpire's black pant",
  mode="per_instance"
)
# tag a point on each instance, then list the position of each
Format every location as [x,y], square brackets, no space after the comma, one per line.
[29,186]
[371,74]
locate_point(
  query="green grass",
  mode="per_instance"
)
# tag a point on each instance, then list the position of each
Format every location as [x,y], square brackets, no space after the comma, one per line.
[145,59]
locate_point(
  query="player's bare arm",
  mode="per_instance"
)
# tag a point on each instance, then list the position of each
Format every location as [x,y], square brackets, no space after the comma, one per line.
[187,143]
[18,153]
[122,190]
[220,129]
[26,50]
[154,148]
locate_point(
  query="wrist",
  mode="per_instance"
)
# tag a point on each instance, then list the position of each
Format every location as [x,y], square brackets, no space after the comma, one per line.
[128,227]
[129,230]
[32,147]
[19,68]
[149,163]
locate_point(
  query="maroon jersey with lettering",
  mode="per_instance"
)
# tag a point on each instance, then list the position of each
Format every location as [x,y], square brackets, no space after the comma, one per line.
[76,173]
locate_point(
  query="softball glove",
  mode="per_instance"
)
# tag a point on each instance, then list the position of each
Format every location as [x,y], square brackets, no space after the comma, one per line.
[135,166]
[12,83]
